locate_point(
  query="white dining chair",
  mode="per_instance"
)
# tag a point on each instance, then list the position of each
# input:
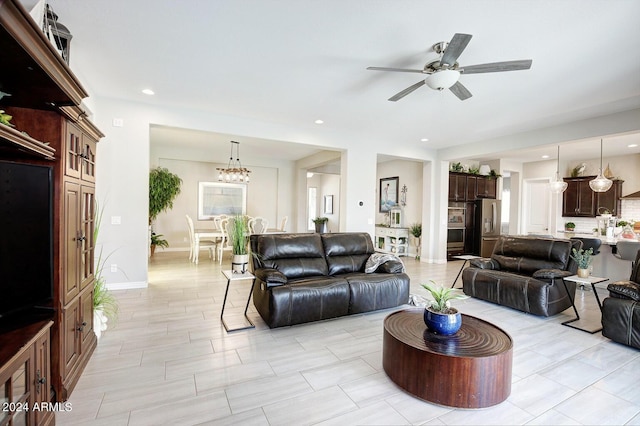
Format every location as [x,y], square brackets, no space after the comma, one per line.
[258,225]
[225,244]
[283,224]
[209,244]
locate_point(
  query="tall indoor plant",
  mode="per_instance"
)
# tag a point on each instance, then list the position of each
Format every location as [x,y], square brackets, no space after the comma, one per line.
[416,230]
[164,187]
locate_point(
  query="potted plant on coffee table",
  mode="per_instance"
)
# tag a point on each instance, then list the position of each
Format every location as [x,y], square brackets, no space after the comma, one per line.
[583,258]
[440,317]
[238,234]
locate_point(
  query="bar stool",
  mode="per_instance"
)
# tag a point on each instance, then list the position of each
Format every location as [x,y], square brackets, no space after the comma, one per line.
[627,250]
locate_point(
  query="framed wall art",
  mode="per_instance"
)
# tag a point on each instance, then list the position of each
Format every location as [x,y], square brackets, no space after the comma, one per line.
[388,193]
[216,198]
[328,204]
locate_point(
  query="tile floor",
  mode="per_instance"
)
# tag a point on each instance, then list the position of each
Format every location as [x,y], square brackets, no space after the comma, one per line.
[168,360]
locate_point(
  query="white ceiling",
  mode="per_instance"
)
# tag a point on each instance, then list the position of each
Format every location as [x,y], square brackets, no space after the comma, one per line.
[291,62]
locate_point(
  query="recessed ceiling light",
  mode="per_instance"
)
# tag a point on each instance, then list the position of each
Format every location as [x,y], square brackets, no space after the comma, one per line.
[148,92]
[633,145]
[319,122]
[545,156]
[424,140]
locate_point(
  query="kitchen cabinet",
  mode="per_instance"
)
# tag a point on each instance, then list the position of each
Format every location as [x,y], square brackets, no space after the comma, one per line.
[579,200]
[486,187]
[457,186]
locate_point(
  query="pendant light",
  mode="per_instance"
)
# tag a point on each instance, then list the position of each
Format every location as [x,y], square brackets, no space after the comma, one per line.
[234,172]
[600,183]
[557,186]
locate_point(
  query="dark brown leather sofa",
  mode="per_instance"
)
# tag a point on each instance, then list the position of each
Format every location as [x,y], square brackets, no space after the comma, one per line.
[621,310]
[524,273]
[310,277]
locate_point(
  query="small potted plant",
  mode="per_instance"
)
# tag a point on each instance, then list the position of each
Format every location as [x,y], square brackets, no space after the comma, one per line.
[238,234]
[570,226]
[440,317]
[416,230]
[321,224]
[583,258]
[157,241]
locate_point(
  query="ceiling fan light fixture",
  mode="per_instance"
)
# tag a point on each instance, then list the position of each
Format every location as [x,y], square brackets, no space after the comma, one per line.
[441,80]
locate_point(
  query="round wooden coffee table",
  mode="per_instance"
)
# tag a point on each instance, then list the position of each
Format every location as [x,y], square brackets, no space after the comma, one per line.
[471,369]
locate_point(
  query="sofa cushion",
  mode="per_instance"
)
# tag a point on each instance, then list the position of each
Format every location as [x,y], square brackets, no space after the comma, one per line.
[294,255]
[305,300]
[347,252]
[370,292]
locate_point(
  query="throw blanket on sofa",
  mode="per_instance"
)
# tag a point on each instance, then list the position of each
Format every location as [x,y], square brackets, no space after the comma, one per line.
[377,259]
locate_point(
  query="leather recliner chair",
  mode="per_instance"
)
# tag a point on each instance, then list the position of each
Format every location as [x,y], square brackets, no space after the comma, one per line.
[621,310]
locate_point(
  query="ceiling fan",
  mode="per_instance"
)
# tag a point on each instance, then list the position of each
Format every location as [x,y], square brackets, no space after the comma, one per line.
[444,72]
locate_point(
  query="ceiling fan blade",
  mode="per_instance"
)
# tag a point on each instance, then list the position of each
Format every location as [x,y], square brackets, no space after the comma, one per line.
[406,91]
[523,64]
[455,47]
[394,69]
[460,91]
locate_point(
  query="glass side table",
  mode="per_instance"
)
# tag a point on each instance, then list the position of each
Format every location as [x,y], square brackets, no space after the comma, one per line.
[231,276]
[584,281]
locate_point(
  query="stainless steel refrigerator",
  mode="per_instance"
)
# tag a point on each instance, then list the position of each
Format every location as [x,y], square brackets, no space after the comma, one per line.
[487,225]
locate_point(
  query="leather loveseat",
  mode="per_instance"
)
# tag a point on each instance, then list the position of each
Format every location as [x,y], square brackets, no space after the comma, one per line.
[524,273]
[309,277]
[621,310]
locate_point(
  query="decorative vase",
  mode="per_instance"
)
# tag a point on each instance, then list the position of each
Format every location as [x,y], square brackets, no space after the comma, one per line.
[444,324]
[99,322]
[239,263]
[583,273]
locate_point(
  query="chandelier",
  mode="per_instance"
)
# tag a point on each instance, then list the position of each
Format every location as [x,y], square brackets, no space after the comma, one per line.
[234,172]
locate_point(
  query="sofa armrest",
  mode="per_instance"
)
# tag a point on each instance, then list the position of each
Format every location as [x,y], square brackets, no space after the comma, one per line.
[391,267]
[625,290]
[485,263]
[272,277]
[551,274]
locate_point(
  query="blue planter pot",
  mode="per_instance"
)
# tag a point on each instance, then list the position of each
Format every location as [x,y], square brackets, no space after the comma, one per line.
[444,324]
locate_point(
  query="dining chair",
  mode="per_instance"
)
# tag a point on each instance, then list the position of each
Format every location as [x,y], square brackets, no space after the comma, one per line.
[209,244]
[258,225]
[283,224]
[226,244]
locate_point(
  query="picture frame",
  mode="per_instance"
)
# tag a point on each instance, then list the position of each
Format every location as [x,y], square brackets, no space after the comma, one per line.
[216,198]
[388,193]
[328,204]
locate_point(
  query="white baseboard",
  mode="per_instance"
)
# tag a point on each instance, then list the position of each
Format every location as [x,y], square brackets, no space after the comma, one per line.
[128,285]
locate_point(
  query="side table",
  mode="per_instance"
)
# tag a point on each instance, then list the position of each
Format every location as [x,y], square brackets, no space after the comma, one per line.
[465,258]
[579,280]
[237,277]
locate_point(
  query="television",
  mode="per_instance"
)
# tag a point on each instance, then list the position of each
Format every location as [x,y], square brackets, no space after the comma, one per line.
[26,242]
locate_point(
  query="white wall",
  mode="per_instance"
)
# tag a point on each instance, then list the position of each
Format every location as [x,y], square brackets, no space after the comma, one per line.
[410,174]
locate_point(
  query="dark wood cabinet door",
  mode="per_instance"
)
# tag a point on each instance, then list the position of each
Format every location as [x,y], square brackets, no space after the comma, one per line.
[71,318]
[486,187]
[87,226]
[88,165]
[609,200]
[472,187]
[579,199]
[457,186]
[42,379]
[87,336]
[72,241]
[73,151]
